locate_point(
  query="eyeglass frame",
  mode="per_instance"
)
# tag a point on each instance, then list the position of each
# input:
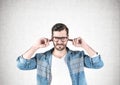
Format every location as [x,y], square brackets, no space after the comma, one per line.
[63,39]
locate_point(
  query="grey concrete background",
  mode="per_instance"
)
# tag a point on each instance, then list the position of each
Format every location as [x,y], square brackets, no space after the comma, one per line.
[23,21]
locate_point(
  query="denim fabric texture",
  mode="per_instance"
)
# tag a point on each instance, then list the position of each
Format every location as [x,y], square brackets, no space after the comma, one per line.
[75,60]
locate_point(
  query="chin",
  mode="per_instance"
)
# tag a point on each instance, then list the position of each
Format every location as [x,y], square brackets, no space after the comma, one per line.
[60,48]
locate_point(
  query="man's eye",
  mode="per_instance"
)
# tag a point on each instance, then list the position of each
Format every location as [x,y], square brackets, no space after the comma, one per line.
[56,37]
[63,38]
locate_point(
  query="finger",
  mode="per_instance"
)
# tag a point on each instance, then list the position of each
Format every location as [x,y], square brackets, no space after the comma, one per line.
[74,41]
[42,41]
[47,42]
[79,41]
[50,40]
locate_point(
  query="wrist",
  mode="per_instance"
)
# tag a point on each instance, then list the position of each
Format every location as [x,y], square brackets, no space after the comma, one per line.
[34,47]
[89,50]
[84,46]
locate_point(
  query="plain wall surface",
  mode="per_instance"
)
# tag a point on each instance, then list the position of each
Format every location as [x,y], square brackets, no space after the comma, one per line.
[24,21]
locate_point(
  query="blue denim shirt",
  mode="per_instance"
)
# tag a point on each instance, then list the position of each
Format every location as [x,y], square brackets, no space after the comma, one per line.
[75,60]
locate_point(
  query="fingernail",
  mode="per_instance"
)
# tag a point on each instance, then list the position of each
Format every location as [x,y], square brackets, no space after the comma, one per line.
[42,42]
[79,41]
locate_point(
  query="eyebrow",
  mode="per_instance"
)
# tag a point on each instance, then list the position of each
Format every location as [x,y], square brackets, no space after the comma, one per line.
[68,40]
[60,37]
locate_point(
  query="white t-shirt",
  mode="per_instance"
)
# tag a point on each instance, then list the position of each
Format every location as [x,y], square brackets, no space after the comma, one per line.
[60,72]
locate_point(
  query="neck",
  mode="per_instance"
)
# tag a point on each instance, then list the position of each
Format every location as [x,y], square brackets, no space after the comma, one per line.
[59,54]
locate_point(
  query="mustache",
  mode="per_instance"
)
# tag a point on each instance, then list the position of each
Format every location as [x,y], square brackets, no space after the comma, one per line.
[59,44]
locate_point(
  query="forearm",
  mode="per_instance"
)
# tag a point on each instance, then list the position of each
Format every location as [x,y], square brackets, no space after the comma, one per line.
[89,50]
[29,53]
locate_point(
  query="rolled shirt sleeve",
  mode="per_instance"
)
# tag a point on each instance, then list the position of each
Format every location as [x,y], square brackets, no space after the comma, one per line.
[26,64]
[94,62]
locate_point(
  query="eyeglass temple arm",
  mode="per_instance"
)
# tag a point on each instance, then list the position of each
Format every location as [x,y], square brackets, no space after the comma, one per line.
[50,40]
[68,40]
[79,41]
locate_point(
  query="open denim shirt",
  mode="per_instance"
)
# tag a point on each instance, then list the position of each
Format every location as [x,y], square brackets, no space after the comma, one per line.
[75,60]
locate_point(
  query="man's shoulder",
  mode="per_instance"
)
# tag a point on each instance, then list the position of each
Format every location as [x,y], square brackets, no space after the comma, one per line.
[75,51]
[44,54]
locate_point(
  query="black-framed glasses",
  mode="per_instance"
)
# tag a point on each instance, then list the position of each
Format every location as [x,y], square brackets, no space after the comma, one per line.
[56,39]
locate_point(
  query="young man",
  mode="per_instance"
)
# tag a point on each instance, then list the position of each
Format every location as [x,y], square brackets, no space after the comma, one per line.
[60,65]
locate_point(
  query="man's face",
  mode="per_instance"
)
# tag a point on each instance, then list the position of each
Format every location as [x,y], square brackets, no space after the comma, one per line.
[60,39]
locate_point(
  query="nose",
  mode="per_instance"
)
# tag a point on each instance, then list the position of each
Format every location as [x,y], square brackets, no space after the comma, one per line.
[59,41]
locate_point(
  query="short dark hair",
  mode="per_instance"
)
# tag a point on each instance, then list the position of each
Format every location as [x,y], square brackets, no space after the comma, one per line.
[60,27]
